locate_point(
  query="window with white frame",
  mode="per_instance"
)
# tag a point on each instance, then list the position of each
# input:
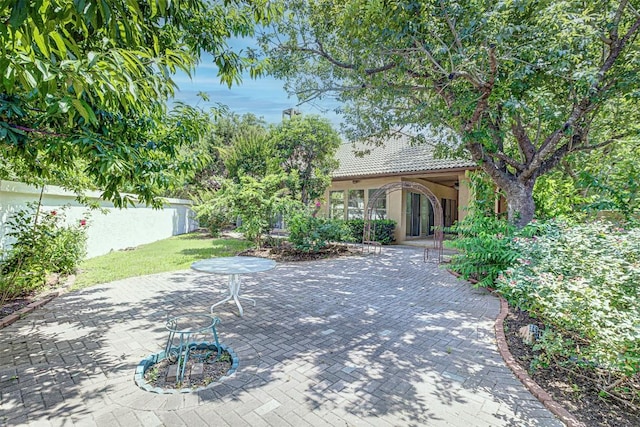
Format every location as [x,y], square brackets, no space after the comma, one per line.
[336,204]
[355,206]
[379,211]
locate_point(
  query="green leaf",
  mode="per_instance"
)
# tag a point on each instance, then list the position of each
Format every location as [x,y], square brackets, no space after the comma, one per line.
[40,41]
[60,44]
[19,13]
[80,108]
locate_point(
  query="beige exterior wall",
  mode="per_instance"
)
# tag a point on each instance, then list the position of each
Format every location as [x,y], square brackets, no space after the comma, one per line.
[464,195]
[396,200]
[394,208]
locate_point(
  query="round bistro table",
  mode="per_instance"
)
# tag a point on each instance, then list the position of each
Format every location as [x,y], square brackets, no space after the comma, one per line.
[233,267]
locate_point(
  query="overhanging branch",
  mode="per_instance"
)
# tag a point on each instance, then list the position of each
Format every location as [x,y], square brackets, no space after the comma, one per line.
[320,51]
[567,148]
[486,90]
[598,87]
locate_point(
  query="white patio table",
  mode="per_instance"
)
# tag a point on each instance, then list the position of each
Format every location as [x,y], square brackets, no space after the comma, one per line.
[234,267]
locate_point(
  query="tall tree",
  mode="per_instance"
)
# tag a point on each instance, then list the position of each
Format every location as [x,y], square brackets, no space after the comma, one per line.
[209,153]
[306,145]
[522,83]
[84,84]
[251,154]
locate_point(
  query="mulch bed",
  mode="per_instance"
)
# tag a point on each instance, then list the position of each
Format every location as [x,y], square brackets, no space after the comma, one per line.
[213,370]
[14,305]
[573,389]
[285,252]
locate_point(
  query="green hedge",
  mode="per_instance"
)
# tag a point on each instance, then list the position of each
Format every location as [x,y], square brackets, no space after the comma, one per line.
[381,230]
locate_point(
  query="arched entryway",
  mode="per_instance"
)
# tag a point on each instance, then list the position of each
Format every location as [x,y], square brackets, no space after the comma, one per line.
[438,234]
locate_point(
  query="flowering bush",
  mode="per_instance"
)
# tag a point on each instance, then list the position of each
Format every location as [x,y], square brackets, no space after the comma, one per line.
[43,245]
[582,282]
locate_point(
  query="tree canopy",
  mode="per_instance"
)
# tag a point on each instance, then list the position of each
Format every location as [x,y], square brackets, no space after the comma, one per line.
[84,86]
[307,145]
[251,154]
[522,83]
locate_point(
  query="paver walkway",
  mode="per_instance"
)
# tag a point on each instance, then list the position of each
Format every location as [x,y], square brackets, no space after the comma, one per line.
[382,340]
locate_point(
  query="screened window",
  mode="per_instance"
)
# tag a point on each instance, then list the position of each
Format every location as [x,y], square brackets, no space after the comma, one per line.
[355,208]
[379,211]
[336,204]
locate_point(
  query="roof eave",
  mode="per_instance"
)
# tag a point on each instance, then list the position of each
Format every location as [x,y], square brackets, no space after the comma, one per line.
[409,174]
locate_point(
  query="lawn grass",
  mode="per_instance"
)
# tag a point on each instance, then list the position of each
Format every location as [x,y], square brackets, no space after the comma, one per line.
[175,253]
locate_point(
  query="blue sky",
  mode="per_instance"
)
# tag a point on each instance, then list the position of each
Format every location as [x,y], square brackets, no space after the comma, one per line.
[264,97]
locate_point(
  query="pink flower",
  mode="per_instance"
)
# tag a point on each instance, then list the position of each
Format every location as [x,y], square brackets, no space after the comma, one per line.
[83,222]
[318,204]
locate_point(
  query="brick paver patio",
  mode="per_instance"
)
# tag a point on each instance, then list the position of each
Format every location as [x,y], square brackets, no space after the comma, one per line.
[382,340]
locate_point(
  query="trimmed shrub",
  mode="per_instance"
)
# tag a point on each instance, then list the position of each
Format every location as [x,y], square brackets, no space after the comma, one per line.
[311,234]
[381,230]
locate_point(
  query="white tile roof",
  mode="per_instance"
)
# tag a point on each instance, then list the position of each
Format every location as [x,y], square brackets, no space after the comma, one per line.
[397,155]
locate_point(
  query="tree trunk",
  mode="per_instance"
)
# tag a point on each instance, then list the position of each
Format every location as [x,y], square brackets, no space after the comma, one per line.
[520,204]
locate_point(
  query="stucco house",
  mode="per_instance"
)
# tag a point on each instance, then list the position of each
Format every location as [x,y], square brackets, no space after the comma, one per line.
[358,178]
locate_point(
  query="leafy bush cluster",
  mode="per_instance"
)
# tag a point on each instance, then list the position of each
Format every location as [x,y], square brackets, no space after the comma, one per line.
[485,247]
[43,245]
[311,234]
[210,215]
[582,282]
[254,201]
[381,230]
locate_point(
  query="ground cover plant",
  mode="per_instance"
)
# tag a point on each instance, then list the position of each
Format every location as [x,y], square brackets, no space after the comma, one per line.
[581,283]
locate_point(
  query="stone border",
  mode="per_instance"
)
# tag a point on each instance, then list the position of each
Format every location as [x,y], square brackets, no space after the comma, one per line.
[544,397]
[533,387]
[157,357]
[17,315]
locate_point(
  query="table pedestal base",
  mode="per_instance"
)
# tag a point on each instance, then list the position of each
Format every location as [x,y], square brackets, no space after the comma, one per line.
[234,293]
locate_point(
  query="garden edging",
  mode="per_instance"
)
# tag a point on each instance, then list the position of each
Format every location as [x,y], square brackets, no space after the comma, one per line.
[13,317]
[19,314]
[540,394]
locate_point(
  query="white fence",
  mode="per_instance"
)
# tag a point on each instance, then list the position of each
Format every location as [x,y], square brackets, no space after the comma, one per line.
[117,229]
